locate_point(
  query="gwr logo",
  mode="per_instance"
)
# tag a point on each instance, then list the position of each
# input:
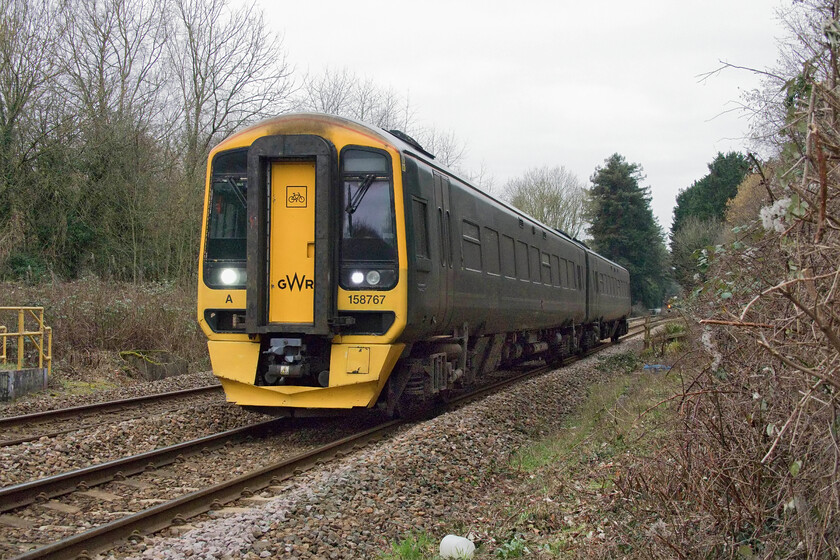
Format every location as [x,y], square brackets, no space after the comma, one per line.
[294,282]
[296,197]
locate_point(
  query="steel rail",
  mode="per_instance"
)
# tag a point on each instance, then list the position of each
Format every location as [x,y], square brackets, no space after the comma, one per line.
[107,406]
[153,519]
[26,493]
[158,517]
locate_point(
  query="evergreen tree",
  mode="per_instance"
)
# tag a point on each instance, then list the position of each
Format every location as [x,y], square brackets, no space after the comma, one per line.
[700,212]
[706,199]
[624,229]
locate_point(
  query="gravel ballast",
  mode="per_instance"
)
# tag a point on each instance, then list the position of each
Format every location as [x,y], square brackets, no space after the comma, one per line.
[40,402]
[438,477]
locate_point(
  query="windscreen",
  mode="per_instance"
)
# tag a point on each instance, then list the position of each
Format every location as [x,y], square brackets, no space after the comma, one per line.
[368,239]
[227,239]
[368,218]
[226,228]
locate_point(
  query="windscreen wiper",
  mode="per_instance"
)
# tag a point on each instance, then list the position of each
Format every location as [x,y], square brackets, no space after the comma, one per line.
[360,194]
[239,194]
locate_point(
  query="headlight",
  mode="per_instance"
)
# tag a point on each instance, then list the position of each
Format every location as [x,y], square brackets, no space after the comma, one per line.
[360,277]
[229,276]
[225,275]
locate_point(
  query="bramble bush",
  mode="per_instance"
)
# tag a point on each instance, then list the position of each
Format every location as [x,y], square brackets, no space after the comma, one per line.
[752,468]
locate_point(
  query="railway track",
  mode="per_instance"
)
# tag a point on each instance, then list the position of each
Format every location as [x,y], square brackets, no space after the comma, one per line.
[200,500]
[30,427]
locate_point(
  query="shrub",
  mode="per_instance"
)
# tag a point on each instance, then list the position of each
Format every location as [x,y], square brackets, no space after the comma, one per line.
[93,320]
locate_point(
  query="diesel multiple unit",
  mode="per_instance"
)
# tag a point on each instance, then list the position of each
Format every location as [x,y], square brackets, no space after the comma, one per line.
[341,267]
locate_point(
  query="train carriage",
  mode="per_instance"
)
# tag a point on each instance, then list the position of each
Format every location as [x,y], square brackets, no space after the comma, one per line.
[341,267]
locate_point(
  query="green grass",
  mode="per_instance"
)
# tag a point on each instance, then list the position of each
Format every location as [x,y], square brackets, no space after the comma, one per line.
[418,546]
[515,547]
[605,422]
[577,468]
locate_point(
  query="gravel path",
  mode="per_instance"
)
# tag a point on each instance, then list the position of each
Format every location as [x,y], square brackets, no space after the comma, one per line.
[440,476]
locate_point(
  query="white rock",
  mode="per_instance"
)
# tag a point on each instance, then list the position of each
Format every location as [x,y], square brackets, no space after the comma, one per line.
[453,546]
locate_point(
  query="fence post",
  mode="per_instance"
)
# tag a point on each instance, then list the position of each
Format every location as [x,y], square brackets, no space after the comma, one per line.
[40,318]
[21,338]
[3,356]
[48,331]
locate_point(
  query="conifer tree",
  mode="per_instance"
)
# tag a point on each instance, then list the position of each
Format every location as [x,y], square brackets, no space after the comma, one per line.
[706,199]
[624,229]
[700,211]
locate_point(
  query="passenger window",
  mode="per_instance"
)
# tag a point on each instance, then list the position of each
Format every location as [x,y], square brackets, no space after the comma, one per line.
[546,269]
[491,251]
[535,264]
[471,246]
[508,257]
[521,260]
[421,233]
[555,270]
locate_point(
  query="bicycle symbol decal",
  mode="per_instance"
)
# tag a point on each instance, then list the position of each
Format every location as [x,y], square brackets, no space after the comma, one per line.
[296,197]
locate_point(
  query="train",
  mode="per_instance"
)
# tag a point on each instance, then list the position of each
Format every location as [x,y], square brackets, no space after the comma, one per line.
[341,267]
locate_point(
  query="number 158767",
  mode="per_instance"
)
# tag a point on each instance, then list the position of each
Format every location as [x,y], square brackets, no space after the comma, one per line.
[366,299]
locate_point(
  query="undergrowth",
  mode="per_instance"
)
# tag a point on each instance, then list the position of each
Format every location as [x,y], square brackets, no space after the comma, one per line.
[570,477]
[94,320]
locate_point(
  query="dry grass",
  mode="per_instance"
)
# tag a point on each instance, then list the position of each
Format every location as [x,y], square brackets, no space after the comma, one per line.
[94,320]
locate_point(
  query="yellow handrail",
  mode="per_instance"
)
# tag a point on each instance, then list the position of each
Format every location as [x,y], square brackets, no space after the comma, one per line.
[22,334]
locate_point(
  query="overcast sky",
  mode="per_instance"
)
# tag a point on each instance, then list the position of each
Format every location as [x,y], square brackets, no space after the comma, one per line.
[532,83]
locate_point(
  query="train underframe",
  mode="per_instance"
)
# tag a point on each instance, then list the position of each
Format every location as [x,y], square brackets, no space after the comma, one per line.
[434,368]
[310,372]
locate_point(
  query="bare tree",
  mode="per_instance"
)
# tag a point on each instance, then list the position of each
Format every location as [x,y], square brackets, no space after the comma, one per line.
[111,77]
[26,65]
[230,69]
[446,147]
[345,94]
[553,195]
[110,54]
[331,92]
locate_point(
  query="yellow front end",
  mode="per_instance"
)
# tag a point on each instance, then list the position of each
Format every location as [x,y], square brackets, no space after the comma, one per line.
[260,331]
[357,375]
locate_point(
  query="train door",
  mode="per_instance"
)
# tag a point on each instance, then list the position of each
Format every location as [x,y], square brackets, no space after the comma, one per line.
[292,243]
[444,220]
[291,235]
[586,285]
[425,266]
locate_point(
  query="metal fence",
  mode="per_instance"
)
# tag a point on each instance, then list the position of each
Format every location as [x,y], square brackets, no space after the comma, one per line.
[22,325]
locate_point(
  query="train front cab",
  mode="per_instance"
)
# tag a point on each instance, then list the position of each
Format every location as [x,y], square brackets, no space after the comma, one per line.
[302,288]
